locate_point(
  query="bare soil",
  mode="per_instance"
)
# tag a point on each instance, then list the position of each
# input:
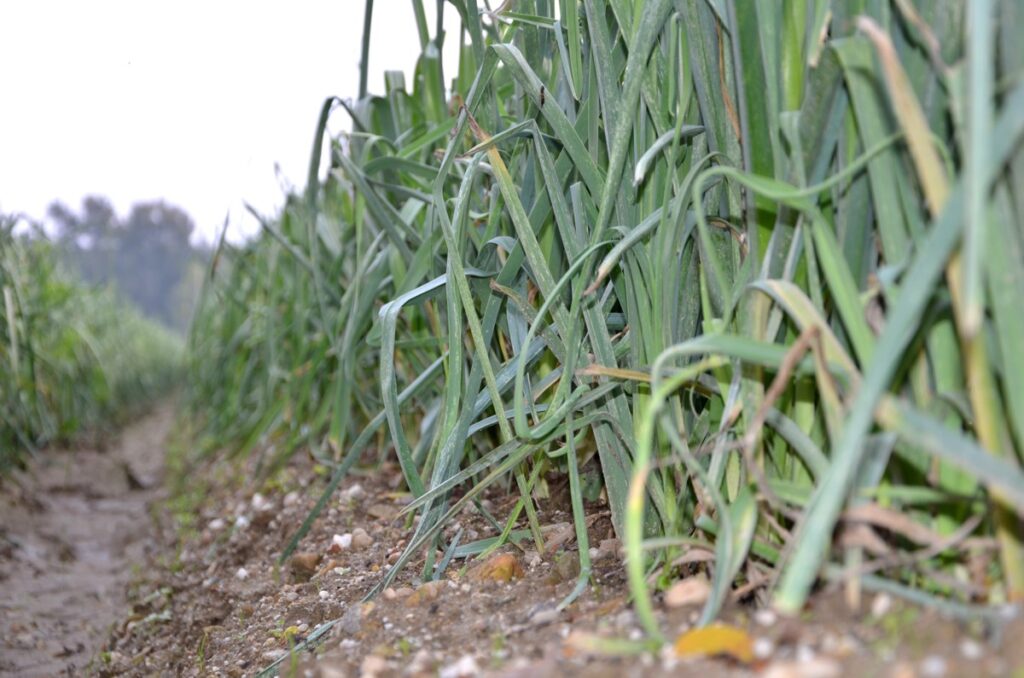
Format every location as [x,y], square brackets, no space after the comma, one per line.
[211,598]
[73,525]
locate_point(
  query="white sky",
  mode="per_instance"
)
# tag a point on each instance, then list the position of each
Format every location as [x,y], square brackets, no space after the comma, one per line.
[190,101]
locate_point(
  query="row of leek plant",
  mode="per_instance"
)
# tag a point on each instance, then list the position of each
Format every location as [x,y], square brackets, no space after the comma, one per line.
[72,358]
[760,263]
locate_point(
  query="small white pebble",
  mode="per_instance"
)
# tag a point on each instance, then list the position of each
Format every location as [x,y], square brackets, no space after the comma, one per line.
[291,499]
[217,524]
[303,627]
[594,552]
[971,649]
[465,666]
[324,595]
[804,653]
[763,648]
[669,658]
[242,573]
[933,666]
[881,604]
[342,540]
[766,617]
[374,665]
[819,667]
[242,522]
[354,492]
[466,588]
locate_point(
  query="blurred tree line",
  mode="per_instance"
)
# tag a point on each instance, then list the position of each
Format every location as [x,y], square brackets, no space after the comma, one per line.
[148,257]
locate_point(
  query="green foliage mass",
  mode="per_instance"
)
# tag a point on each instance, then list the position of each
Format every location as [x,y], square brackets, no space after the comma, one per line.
[760,263]
[72,358]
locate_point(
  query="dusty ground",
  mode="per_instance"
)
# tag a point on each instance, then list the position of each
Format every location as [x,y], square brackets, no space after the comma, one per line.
[212,600]
[72,528]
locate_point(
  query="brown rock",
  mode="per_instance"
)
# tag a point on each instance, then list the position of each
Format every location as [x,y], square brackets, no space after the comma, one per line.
[566,568]
[386,512]
[610,548]
[262,517]
[361,539]
[304,565]
[501,567]
[375,665]
[689,591]
[427,592]
[395,594]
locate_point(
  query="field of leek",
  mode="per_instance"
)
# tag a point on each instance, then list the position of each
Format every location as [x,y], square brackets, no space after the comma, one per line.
[760,263]
[72,359]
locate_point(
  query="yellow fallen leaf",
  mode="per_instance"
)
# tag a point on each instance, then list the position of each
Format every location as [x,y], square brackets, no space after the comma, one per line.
[716,639]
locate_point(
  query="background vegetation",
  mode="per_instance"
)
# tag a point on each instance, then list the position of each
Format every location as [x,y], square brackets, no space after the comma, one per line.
[147,256]
[759,263]
[72,358]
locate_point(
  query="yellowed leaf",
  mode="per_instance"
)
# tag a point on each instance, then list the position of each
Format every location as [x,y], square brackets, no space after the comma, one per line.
[908,110]
[715,640]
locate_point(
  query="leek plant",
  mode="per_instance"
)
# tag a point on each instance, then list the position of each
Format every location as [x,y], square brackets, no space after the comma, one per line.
[759,262]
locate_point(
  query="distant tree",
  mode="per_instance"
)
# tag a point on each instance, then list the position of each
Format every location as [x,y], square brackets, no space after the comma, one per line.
[148,256]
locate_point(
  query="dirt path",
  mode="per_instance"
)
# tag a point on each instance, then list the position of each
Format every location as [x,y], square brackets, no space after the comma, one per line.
[73,529]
